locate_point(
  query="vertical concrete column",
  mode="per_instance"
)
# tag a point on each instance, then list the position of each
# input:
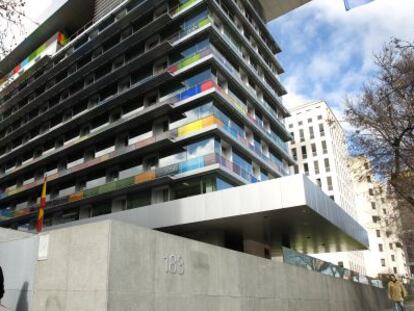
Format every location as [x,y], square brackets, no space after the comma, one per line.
[253,247]
[118,204]
[276,251]
[84,211]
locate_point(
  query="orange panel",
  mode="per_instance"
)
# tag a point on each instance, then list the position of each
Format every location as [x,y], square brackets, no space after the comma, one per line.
[76,197]
[144,177]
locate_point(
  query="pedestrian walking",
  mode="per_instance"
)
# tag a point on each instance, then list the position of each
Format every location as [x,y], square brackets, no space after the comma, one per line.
[1,284]
[397,293]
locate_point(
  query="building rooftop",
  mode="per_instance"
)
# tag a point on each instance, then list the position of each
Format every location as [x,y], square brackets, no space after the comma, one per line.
[71,16]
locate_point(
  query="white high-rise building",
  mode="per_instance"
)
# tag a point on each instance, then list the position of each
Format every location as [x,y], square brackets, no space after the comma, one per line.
[377,214]
[320,149]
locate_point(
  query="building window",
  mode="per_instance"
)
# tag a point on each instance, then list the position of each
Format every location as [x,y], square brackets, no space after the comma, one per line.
[393,257]
[300,123]
[304,152]
[324,147]
[395,270]
[373,206]
[383,262]
[380,247]
[384,211]
[366,166]
[371,191]
[306,168]
[340,264]
[316,166]
[296,169]
[311,133]
[368,178]
[375,219]
[329,181]
[321,130]
[301,135]
[294,154]
[293,137]
[290,126]
[327,165]
[378,233]
[319,117]
[313,147]
[319,182]
[391,246]
[310,120]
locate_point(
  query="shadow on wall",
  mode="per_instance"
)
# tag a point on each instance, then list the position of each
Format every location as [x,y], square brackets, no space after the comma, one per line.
[22,303]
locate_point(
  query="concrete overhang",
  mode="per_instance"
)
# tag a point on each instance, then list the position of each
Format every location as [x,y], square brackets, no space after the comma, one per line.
[291,209]
[276,8]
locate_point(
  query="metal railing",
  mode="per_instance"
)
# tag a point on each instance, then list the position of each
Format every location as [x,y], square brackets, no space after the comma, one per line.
[310,263]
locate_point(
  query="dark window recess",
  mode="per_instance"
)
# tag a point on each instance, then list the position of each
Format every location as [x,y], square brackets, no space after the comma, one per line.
[89,80]
[93,101]
[76,87]
[126,33]
[118,62]
[103,71]
[108,92]
[111,42]
[84,60]
[124,84]
[101,209]
[81,41]
[97,52]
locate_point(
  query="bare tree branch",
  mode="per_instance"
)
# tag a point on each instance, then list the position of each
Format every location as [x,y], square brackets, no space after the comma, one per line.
[11,14]
[383,117]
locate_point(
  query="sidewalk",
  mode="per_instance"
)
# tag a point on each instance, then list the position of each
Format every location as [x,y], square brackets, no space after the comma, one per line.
[408,307]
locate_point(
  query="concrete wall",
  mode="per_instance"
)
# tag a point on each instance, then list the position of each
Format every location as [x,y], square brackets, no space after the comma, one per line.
[116,266]
[17,259]
[75,274]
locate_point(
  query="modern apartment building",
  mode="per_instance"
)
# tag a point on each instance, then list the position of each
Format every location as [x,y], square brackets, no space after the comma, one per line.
[142,110]
[320,150]
[377,214]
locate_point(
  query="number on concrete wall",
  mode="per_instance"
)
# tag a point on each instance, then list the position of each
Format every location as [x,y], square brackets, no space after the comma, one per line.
[174,264]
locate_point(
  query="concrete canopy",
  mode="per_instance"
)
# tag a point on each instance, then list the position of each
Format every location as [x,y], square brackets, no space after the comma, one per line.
[276,8]
[290,209]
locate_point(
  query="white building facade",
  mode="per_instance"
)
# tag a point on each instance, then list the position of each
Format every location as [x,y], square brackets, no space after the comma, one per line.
[320,150]
[377,215]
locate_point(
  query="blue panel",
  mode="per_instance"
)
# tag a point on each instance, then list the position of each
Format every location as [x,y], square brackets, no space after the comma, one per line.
[191,165]
[190,92]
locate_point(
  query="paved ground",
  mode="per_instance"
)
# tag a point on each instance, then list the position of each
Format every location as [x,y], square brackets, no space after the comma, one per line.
[408,307]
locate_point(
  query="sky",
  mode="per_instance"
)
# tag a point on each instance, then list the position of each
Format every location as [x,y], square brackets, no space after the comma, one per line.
[327,51]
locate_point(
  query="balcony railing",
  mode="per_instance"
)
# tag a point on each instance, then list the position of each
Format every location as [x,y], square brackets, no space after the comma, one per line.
[181,96]
[310,263]
[173,170]
[180,132]
[84,31]
[171,69]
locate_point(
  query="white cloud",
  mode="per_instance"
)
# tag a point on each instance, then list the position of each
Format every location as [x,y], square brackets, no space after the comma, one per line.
[329,52]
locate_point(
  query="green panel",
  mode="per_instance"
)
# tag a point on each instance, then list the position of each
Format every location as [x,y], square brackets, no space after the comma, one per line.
[91,192]
[188,61]
[185,5]
[203,22]
[107,187]
[124,183]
